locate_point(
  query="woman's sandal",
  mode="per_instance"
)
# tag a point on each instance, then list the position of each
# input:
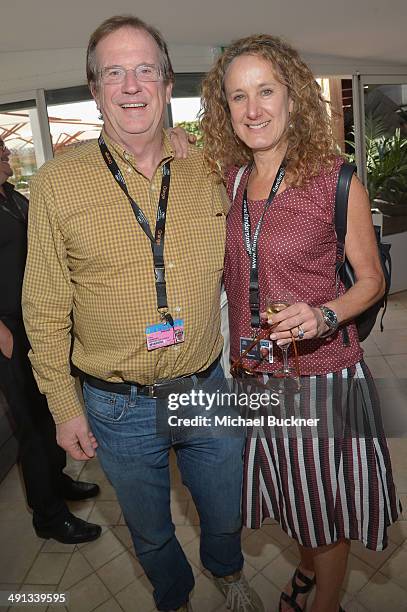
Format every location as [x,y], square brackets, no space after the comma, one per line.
[307,585]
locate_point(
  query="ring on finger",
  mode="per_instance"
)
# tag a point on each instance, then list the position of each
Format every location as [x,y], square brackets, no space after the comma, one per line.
[301,333]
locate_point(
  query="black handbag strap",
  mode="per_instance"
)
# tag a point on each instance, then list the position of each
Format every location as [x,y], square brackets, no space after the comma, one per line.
[341,208]
[341,221]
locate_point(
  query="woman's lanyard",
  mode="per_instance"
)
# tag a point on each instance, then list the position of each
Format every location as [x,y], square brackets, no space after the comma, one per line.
[157,241]
[251,245]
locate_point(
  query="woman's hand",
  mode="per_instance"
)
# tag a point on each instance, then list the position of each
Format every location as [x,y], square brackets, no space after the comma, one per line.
[180,140]
[304,321]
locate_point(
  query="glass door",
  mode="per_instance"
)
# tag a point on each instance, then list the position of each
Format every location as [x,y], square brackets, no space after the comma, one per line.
[382,119]
[382,159]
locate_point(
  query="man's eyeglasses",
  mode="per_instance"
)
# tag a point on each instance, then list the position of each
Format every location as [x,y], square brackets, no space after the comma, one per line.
[117,74]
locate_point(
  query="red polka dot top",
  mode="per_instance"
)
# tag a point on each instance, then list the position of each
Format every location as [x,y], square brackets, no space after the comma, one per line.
[297,254]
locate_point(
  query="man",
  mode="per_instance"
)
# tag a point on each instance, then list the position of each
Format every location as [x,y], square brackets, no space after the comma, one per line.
[97,267]
[42,460]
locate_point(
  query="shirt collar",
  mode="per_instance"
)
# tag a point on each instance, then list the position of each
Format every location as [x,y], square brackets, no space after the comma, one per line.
[167,149]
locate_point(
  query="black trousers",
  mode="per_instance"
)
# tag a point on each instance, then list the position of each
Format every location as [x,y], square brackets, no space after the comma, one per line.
[42,460]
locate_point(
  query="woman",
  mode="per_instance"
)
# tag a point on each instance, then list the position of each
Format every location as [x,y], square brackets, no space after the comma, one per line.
[263,108]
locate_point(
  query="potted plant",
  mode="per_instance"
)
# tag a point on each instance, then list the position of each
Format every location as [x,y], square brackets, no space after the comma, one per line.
[386,164]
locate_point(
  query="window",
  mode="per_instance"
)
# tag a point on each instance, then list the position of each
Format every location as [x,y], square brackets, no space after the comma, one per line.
[20,131]
[338,92]
[73,117]
[186,102]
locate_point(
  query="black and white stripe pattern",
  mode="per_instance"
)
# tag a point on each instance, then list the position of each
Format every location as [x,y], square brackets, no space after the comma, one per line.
[333,481]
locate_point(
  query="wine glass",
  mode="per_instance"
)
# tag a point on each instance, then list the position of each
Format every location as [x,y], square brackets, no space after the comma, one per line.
[275,304]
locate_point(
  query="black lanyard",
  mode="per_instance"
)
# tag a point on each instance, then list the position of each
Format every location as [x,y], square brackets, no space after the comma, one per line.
[157,241]
[252,244]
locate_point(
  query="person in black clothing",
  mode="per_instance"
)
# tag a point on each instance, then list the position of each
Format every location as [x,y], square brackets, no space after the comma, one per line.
[42,460]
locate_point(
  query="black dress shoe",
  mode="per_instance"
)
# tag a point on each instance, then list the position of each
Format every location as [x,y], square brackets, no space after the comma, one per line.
[72,531]
[76,490]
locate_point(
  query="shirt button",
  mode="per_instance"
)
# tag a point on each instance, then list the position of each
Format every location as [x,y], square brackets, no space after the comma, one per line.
[126,156]
[129,170]
[152,187]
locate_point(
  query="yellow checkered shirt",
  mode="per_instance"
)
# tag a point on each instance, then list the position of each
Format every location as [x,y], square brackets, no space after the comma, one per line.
[89,278]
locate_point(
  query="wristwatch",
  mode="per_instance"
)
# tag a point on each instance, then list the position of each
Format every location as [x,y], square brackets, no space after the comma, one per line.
[330,319]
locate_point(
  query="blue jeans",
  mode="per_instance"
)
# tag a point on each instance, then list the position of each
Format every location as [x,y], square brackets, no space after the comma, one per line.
[136,461]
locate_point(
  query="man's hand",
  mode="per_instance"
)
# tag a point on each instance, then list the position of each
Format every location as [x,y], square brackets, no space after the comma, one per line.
[180,139]
[75,437]
[6,340]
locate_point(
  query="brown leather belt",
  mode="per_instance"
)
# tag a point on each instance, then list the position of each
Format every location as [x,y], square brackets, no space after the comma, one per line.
[159,390]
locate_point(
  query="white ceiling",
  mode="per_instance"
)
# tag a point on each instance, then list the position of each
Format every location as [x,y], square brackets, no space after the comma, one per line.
[362,29]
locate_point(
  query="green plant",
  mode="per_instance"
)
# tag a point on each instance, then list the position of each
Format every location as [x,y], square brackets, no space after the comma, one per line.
[386,162]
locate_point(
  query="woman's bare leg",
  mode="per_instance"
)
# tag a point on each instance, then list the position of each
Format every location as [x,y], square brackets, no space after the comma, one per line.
[328,565]
[306,567]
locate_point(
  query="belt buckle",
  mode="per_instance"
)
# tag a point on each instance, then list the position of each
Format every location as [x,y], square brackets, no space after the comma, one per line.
[151,391]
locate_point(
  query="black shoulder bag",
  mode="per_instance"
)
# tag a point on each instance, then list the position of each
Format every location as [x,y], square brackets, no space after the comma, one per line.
[366,320]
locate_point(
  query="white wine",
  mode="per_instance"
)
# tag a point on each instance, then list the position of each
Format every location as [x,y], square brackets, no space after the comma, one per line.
[275,307]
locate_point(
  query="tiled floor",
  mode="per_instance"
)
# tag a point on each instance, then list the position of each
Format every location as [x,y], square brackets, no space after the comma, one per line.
[105,576]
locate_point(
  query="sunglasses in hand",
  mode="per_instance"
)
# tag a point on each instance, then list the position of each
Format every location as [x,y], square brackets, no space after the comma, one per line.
[239,370]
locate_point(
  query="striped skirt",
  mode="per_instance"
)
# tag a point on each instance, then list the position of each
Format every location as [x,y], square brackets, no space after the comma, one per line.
[328,481]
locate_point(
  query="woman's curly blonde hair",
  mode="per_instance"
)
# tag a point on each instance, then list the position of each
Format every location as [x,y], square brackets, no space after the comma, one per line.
[309,135]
